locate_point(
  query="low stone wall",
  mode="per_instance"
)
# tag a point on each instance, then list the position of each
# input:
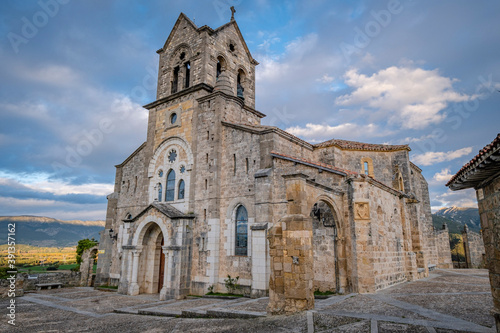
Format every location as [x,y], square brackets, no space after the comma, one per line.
[474,248]
[25,282]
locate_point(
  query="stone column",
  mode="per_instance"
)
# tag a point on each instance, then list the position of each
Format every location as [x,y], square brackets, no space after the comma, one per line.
[291,282]
[166,274]
[259,256]
[124,270]
[134,286]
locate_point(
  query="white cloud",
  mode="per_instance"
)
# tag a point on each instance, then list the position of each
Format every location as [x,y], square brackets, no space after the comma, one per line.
[442,176]
[315,132]
[326,79]
[54,209]
[409,97]
[41,182]
[432,157]
[52,74]
[463,198]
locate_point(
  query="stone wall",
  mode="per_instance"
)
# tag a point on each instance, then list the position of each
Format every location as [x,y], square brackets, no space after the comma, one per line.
[488,199]
[443,248]
[25,282]
[474,248]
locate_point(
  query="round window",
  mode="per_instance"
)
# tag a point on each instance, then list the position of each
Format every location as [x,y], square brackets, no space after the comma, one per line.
[172,156]
[173,118]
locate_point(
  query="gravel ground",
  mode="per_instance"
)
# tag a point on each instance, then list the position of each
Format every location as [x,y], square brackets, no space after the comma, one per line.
[449,301]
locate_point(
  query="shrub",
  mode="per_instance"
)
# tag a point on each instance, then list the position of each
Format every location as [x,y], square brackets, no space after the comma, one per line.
[232,284]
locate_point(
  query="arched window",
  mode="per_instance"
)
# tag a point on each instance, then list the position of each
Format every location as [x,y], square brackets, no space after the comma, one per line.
[241,231]
[187,76]
[160,191]
[221,66]
[175,80]
[239,84]
[170,194]
[367,166]
[219,70]
[180,193]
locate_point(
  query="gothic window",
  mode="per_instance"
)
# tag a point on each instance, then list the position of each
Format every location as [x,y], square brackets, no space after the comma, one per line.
[241,231]
[180,193]
[188,70]
[175,80]
[239,84]
[221,66]
[170,193]
[160,191]
[160,173]
[182,169]
[219,70]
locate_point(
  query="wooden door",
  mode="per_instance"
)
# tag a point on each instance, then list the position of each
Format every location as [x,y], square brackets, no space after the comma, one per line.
[162,267]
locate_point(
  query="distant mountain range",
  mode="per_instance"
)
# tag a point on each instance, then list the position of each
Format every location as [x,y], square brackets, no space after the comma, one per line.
[49,232]
[456,218]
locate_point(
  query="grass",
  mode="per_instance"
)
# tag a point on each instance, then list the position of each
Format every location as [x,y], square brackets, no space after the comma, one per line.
[223,294]
[108,287]
[324,293]
[39,269]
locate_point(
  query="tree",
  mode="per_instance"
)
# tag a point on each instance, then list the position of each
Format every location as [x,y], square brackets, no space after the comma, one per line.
[83,244]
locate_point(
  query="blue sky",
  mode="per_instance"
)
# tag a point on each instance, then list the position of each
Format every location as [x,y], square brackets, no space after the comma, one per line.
[76,73]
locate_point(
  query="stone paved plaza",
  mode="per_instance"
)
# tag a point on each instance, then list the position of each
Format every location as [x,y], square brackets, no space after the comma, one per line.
[447,301]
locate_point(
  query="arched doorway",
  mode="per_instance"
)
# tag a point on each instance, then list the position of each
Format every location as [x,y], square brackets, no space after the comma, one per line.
[152,261]
[325,248]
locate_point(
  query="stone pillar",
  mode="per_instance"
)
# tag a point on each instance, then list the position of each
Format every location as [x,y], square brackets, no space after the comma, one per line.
[166,274]
[259,260]
[465,240]
[125,270]
[291,282]
[489,211]
[290,248]
[134,286]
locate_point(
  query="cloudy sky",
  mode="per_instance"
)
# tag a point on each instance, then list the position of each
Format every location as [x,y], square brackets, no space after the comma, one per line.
[75,74]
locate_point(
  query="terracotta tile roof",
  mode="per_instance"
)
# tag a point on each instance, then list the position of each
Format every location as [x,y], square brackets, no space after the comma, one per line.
[313,163]
[353,145]
[483,154]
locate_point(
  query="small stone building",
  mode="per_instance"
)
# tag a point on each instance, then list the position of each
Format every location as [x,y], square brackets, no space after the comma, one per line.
[475,254]
[206,193]
[483,174]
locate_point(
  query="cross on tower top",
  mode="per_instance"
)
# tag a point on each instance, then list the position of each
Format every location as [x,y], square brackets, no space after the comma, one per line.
[232,13]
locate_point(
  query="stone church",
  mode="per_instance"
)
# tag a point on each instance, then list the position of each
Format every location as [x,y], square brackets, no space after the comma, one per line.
[213,192]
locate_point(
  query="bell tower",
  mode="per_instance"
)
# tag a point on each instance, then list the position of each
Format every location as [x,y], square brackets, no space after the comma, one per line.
[194,56]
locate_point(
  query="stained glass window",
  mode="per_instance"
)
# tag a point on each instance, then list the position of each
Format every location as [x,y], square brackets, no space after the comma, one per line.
[241,231]
[172,156]
[160,191]
[170,194]
[180,194]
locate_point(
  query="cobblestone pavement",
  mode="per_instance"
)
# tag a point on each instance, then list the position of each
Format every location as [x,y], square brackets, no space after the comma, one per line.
[447,301]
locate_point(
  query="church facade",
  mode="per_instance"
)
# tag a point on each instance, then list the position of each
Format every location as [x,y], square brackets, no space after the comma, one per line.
[196,201]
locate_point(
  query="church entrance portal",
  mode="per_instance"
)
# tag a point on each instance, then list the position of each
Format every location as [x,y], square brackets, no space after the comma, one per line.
[325,251]
[152,261]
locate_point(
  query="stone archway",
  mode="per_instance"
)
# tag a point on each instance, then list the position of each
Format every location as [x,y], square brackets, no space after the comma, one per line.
[87,266]
[325,248]
[148,274]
